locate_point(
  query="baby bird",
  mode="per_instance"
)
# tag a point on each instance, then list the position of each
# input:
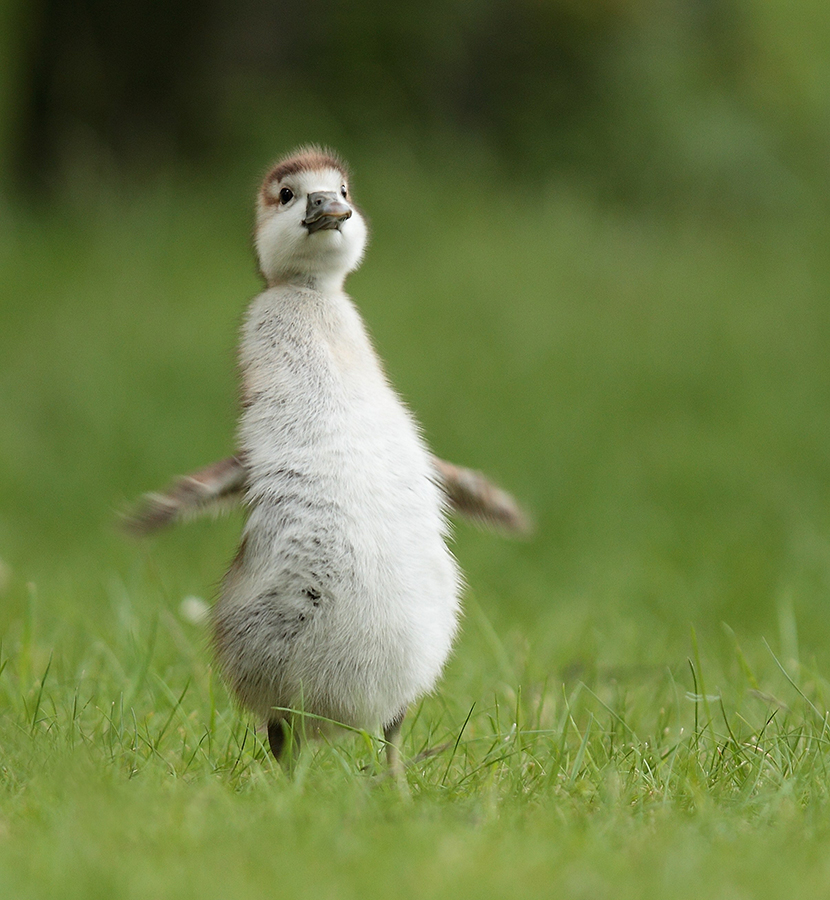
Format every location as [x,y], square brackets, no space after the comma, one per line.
[342,601]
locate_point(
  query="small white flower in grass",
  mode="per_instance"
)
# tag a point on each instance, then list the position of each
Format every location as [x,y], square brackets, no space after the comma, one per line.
[194,610]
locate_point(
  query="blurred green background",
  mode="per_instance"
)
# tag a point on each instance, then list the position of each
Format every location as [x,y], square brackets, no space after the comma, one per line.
[598,271]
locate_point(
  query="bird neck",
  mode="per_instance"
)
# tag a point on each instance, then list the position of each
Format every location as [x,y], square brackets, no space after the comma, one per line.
[326,284]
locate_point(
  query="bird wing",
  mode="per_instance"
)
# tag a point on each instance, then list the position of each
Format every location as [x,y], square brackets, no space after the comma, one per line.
[221,486]
[206,491]
[472,495]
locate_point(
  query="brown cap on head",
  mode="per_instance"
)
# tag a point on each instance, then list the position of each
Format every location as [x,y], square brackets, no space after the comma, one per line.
[307,158]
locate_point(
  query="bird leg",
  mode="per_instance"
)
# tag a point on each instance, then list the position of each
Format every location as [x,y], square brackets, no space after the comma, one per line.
[392,736]
[284,742]
[276,738]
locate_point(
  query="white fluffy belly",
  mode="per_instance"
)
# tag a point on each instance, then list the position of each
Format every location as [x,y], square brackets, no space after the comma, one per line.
[343,599]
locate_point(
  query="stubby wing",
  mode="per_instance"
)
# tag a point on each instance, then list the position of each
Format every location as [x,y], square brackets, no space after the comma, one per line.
[474,496]
[210,490]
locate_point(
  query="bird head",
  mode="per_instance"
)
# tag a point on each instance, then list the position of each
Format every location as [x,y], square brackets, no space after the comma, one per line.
[308,230]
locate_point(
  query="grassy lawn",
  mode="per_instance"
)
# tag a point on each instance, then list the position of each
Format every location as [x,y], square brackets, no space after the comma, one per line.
[637,706]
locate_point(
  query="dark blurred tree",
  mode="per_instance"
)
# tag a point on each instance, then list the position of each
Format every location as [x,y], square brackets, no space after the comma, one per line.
[120,79]
[615,89]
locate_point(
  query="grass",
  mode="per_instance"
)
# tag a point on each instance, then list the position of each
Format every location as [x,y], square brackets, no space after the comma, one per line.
[638,703]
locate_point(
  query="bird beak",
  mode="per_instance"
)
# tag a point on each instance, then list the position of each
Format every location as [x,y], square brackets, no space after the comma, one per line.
[325,210]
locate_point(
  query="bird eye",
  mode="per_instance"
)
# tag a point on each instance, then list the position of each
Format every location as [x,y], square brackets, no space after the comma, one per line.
[286,195]
[344,192]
